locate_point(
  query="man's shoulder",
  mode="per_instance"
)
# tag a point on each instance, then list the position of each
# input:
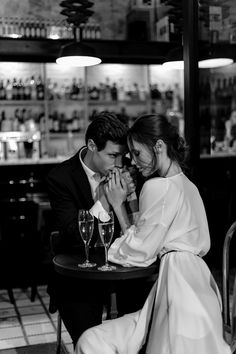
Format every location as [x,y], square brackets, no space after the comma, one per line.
[65,167]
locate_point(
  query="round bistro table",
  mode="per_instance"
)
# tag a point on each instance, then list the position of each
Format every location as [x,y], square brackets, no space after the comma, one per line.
[67,265]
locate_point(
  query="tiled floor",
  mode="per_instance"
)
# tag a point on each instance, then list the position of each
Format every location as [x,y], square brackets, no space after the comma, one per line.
[27,322]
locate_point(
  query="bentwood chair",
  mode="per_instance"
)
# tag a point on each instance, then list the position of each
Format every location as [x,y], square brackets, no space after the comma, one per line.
[54,245]
[229,311]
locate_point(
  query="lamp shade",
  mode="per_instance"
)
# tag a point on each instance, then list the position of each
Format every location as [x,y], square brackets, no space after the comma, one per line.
[77,54]
[214,63]
[214,55]
[174,59]
[211,57]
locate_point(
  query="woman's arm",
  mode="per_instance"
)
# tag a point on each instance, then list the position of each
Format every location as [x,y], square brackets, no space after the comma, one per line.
[116,191]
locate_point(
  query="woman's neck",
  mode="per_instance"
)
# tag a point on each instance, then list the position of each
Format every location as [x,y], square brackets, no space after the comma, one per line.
[170,168]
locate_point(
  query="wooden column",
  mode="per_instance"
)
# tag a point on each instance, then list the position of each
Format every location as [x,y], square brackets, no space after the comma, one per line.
[191,97]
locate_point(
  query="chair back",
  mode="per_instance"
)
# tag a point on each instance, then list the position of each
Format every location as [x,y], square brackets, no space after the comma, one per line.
[225,266]
[55,242]
[229,320]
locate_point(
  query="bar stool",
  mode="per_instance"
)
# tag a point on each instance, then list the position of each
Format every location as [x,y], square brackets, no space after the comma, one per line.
[229,319]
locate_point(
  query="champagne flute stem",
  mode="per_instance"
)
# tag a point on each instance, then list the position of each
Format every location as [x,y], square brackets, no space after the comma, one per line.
[106,256]
[87,252]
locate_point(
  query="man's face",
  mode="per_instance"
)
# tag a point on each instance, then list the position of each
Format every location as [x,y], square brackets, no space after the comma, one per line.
[108,158]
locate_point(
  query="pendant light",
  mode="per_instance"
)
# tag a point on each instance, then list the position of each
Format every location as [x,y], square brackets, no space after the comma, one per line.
[211,58]
[77,53]
[174,59]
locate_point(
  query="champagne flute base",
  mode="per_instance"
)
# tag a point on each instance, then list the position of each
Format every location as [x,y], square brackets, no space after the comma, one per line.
[87,265]
[106,268]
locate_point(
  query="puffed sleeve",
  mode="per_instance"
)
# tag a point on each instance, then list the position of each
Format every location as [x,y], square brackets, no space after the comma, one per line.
[141,243]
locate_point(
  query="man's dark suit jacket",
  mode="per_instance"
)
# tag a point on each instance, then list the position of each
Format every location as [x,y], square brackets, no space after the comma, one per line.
[69,190]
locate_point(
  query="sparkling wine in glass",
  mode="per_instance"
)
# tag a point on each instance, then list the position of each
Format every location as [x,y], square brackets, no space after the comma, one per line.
[86,225]
[106,231]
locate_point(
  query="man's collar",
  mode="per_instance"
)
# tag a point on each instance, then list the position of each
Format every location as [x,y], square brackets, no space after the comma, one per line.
[90,173]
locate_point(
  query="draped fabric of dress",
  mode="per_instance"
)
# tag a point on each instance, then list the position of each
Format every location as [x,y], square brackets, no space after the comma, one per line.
[187,305]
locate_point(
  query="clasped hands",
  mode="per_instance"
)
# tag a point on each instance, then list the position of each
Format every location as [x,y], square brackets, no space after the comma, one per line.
[117,186]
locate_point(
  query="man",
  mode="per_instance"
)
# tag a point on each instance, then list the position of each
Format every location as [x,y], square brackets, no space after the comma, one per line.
[75,184]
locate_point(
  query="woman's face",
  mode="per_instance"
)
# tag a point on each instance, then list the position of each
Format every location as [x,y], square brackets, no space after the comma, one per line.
[142,158]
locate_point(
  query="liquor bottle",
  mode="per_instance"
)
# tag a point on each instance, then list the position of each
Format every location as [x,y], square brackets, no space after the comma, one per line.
[27,89]
[33,88]
[22,28]
[21,90]
[27,28]
[15,122]
[76,126]
[32,29]
[102,91]
[43,30]
[81,89]
[142,93]
[6,125]
[8,90]
[37,29]
[14,89]
[121,91]
[114,93]
[107,90]
[50,92]
[135,92]
[39,89]
[55,122]
[94,93]
[2,91]
[155,93]
[74,90]
[97,32]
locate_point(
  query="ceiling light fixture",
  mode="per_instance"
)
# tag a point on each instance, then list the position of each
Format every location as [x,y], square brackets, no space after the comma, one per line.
[214,63]
[77,53]
[175,60]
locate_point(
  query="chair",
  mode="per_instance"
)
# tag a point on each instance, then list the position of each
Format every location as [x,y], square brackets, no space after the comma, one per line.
[55,245]
[18,245]
[229,320]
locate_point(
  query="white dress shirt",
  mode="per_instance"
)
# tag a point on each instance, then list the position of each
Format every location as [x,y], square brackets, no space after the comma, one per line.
[94,179]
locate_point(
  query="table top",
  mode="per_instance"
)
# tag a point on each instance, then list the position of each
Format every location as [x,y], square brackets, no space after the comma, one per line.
[67,265]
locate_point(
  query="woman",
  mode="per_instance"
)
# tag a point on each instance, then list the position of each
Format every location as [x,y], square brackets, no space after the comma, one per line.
[172,224]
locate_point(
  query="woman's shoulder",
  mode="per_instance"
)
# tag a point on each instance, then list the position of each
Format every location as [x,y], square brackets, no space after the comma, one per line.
[155,185]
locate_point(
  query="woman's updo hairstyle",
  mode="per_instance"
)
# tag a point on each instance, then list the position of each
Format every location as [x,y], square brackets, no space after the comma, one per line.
[149,128]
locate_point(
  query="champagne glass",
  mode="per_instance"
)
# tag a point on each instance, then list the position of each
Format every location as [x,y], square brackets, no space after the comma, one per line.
[106,231]
[86,225]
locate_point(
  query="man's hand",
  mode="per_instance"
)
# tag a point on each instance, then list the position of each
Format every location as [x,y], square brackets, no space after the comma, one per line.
[102,197]
[116,188]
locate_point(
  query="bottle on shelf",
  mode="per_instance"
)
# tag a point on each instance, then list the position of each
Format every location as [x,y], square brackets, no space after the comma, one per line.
[2,90]
[9,90]
[81,89]
[114,92]
[33,88]
[27,89]
[74,91]
[14,89]
[39,89]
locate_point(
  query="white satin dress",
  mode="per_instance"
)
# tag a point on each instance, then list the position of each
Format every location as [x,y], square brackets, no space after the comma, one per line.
[187,311]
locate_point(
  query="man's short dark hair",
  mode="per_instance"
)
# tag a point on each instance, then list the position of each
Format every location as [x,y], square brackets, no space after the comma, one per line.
[106,126]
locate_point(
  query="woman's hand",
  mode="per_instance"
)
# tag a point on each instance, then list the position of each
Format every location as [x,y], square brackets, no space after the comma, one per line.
[116,188]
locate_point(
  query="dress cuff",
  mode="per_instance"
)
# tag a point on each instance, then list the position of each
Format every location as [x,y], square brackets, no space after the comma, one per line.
[97,208]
